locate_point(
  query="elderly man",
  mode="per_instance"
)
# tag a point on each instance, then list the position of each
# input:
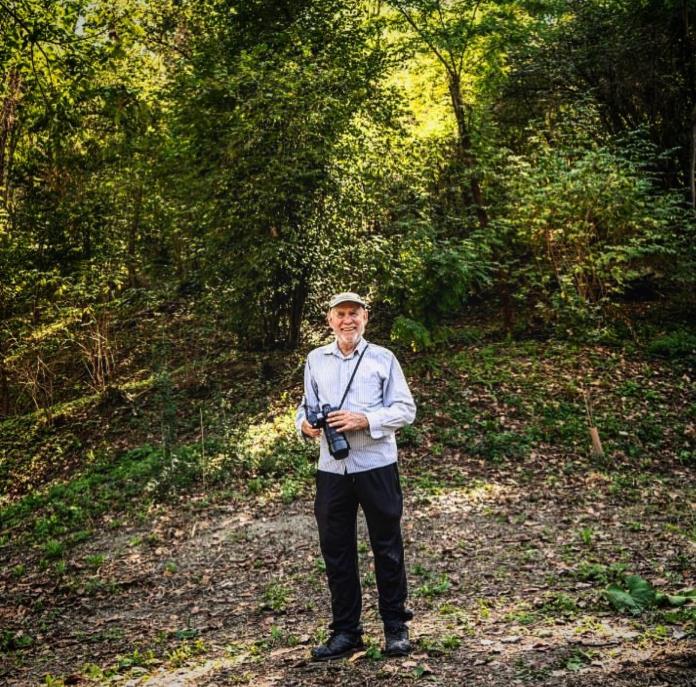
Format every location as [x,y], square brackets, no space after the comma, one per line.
[366,386]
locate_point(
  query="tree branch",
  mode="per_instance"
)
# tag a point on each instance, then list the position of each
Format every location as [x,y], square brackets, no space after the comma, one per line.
[423,35]
[469,31]
[444,27]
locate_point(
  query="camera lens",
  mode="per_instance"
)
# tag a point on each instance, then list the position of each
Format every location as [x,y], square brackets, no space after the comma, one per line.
[338,444]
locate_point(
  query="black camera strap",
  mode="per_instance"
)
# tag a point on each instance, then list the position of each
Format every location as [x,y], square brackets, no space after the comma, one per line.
[350,381]
[352,377]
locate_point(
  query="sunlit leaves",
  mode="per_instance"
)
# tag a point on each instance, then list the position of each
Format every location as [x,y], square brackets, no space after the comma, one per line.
[592,217]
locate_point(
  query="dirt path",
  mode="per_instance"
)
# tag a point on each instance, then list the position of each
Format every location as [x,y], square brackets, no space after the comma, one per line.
[506,571]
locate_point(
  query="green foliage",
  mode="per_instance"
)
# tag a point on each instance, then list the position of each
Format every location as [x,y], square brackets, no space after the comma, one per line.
[50,681]
[259,159]
[95,561]
[411,333]
[267,150]
[577,660]
[559,603]
[452,272]
[230,166]
[53,549]
[434,586]
[684,616]
[620,54]
[587,535]
[372,650]
[266,449]
[263,454]
[598,572]
[290,490]
[451,642]
[409,436]
[106,486]
[185,652]
[637,595]
[75,151]
[279,637]
[13,641]
[276,597]
[435,278]
[496,444]
[592,220]
[677,344]
[137,658]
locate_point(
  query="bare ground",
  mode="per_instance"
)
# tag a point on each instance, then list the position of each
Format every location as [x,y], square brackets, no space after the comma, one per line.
[224,594]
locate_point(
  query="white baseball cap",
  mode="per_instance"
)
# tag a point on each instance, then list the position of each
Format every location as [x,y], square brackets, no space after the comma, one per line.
[346,297]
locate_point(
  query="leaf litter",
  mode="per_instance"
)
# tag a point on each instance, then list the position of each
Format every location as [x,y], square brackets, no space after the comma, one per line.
[513,563]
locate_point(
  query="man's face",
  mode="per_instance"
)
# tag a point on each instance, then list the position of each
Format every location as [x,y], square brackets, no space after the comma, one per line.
[347,321]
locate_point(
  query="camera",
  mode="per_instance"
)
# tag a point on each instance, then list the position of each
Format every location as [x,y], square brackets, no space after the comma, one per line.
[338,444]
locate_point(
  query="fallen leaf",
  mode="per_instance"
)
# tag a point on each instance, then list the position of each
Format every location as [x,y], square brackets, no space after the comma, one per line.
[389,668]
[286,650]
[424,669]
[356,656]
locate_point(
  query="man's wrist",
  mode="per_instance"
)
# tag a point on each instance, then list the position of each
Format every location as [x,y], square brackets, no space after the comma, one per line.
[373,426]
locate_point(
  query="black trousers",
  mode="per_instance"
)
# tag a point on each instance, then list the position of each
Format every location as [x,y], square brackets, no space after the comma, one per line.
[379,494]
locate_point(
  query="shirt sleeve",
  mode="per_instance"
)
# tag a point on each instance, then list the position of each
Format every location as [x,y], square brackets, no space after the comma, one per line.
[310,398]
[398,408]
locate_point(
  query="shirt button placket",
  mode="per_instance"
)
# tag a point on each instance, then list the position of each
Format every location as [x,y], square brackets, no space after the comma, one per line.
[345,376]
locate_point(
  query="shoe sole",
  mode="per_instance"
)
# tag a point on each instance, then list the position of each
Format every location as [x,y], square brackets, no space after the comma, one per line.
[337,657]
[397,652]
[393,654]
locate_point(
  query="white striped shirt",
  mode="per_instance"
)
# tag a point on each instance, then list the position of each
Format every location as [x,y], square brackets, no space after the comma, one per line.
[379,390]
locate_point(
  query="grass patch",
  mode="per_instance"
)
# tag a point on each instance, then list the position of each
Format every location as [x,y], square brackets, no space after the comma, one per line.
[63,514]
[435,585]
[587,571]
[185,652]
[558,604]
[501,401]
[105,487]
[276,597]
[677,344]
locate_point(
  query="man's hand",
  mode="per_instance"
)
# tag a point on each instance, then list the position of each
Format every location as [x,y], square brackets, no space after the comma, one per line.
[310,431]
[347,420]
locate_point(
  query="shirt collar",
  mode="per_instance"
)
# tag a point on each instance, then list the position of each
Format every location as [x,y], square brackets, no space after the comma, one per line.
[335,350]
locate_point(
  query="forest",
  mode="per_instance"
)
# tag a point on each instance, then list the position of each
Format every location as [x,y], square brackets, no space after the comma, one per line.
[184,184]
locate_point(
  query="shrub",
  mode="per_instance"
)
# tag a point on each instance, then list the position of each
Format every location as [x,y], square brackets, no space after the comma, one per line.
[435,279]
[678,344]
[591,220]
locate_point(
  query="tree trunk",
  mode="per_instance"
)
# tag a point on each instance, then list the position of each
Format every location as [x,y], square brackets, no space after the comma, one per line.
[506,300]
[4,389]
[86,242]
[8,189]
[689,71]
[465,149]
[692,165]
[133,237]
[8,120]
[299,298]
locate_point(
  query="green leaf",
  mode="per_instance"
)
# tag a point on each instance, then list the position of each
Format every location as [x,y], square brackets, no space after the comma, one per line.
[621,600]
[639,595]
[671,600]
[641,590]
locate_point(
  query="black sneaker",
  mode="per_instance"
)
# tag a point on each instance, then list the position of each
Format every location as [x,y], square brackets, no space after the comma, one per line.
[396,642]
[340,645]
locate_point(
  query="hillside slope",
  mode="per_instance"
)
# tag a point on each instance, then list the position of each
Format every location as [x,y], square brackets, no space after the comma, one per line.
[193,558]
